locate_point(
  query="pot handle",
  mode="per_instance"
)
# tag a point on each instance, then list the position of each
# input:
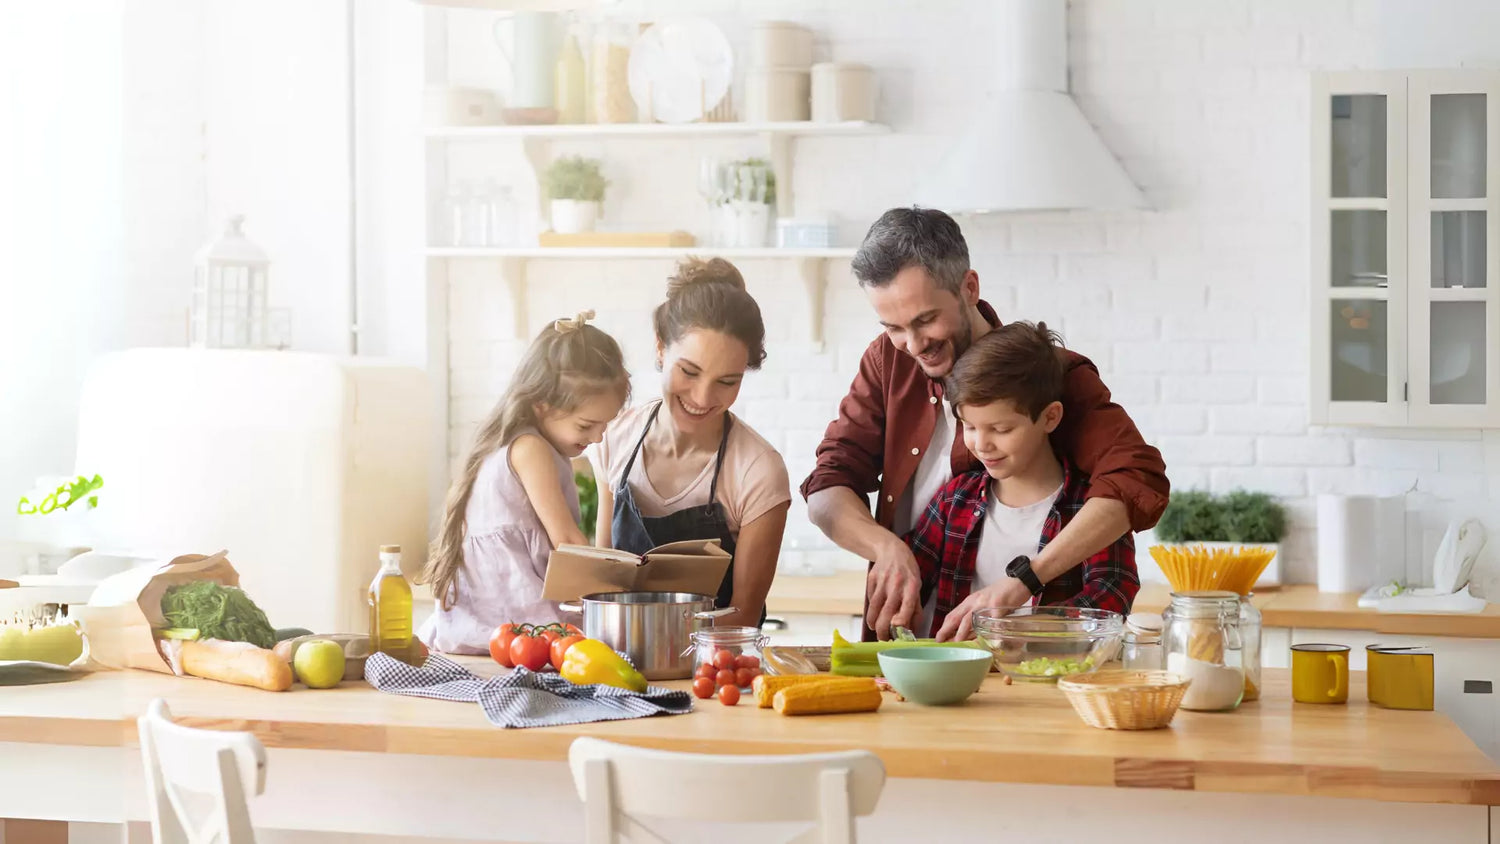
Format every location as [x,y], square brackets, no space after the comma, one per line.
[571,608]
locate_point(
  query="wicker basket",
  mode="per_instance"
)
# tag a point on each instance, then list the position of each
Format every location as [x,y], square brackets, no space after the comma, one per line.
[1125,700]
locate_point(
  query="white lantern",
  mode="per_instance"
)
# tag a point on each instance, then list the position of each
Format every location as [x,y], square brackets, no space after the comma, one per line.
[230,293]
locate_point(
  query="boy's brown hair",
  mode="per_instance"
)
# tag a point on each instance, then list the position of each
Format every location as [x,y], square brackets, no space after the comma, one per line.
[1019,361]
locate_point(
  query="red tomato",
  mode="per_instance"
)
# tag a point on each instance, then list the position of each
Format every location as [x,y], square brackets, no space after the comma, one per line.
[729,695]
[572,631]
[500,644]
[551,634]
[530,651]
[747,661]
[725,677]
[723,659]
[743,676]
[560,647]
[703,688]
[706,669]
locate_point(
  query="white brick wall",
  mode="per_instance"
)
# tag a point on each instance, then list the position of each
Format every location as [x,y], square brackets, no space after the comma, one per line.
[1196,312]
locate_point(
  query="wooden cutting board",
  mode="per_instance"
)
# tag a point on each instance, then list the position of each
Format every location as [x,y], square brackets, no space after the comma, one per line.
[617,240]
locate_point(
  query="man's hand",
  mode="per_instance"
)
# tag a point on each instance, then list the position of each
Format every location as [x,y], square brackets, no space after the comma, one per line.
[1006,595]
[893,589]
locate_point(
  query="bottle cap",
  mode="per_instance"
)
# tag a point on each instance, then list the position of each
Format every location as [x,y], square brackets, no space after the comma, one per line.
[390,549]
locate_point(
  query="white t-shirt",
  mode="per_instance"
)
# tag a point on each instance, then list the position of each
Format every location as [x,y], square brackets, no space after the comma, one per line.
[753,480]
[934,470]
[1009,532]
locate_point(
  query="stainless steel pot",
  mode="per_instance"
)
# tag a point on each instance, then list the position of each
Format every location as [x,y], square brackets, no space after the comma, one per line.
[653,629]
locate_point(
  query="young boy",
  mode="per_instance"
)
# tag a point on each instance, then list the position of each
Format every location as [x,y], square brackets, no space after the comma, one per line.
[975,541]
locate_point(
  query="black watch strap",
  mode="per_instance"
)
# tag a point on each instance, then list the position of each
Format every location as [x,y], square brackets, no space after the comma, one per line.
[1020,569]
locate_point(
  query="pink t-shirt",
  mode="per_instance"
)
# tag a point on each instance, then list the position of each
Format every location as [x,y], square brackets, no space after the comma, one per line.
[753,481]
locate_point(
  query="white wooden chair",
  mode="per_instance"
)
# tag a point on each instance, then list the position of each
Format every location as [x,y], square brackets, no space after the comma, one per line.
[198,781]
[618,783]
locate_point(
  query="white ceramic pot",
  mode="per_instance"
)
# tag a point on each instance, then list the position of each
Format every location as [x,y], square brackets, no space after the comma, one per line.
[777,94]
[572,216]
[749,224]
[781,44]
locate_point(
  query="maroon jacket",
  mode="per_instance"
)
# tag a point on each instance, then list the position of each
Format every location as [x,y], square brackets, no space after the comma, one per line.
[887,419]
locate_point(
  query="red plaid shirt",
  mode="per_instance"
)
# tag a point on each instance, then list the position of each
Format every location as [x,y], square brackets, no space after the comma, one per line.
[945,542]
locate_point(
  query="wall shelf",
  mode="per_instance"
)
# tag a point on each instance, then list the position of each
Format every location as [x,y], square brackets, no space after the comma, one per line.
[603,252]
[812,267]
[656,130]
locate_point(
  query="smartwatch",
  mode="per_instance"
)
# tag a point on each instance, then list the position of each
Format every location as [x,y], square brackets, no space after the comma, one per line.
[1020,569]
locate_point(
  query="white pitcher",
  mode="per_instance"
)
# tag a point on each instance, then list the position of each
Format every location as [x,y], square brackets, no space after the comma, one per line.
[530,42]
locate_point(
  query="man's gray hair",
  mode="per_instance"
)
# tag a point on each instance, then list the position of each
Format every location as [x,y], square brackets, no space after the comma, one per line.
[913,237]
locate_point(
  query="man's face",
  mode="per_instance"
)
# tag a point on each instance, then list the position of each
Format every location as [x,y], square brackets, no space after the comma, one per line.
[924,320]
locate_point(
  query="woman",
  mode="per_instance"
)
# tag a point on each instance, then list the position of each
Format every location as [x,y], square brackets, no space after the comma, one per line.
[682,466]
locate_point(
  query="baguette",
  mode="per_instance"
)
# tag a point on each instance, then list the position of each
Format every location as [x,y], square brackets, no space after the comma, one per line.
[240,663]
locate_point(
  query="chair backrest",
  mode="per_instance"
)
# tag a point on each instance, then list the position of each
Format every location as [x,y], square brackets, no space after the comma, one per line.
[619,784]
[198,781]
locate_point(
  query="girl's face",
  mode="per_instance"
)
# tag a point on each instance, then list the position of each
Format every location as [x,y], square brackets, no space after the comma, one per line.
[701,375]
[570,432]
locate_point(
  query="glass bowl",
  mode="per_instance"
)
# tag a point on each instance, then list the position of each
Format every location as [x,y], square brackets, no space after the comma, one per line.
[1042,644]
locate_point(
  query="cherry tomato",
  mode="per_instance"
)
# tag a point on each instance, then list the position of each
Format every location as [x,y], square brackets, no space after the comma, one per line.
[742,677]
[723,659]
[708,670]
[530,651]
[729,695]
[572,630]
[559,649]
[500,644]
[703,688]
[747,661]
[725,677]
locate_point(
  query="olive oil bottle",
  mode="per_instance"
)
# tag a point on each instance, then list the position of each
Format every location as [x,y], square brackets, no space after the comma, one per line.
[390,607]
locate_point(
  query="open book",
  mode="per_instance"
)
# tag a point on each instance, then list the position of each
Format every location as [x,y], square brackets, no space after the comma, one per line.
[693,565]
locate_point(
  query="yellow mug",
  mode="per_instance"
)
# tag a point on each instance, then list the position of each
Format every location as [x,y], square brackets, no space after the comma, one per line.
[1400,677]
[1320,673]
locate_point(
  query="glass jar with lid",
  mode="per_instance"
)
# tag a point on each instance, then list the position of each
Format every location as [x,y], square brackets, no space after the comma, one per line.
[1250,629]
[1141,647]
[1204,642]
[733,649]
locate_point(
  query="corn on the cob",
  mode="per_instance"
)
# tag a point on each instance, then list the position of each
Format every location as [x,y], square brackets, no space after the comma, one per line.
[766,686]
[856,694]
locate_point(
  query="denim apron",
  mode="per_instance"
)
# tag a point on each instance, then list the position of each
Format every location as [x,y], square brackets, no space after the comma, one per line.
[638,534]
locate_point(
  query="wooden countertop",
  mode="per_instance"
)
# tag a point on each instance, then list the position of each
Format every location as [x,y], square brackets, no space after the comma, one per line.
[1020,733]
[1286,606]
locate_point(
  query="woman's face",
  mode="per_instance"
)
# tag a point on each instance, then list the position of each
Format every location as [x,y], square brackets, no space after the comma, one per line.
[701,375]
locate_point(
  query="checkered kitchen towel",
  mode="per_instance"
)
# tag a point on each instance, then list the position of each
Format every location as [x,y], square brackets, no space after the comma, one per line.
[521,698]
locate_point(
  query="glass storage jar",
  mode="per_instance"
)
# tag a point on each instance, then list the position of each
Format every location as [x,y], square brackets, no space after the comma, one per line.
[1141,647]
[733,649]
[1204,642]
[1250,626]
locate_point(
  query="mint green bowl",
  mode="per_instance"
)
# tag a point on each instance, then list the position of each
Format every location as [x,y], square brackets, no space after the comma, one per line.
[935,676]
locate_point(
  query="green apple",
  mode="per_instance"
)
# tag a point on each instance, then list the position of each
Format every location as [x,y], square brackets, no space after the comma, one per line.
[319,663]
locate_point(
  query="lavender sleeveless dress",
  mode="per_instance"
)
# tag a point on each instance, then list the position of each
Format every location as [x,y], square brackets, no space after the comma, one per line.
[505,560]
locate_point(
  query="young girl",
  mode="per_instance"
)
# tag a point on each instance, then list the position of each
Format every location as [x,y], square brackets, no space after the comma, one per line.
[516,499]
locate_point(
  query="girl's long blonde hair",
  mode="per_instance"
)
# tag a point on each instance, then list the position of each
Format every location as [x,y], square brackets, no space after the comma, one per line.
[567,364]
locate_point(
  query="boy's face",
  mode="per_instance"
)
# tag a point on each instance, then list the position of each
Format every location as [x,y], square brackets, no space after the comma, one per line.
[1006,440]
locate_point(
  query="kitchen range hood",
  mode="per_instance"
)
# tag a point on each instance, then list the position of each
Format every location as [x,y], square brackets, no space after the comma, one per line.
[1029,148]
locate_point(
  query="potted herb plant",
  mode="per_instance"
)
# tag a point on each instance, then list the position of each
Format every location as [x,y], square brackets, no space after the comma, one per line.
[575,187]
[750,198]
[1239,518]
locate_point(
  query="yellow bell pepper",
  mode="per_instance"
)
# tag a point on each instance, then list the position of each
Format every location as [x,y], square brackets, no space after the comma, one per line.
[591,661]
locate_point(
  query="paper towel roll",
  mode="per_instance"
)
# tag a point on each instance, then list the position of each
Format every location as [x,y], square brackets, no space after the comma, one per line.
[1361,541]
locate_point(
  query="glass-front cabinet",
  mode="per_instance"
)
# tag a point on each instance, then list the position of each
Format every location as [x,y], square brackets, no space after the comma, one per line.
[1406,292]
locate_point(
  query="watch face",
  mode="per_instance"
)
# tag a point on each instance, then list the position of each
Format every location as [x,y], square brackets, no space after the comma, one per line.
[1017,565]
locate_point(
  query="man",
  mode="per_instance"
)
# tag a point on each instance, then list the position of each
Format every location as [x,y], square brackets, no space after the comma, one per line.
[895,433]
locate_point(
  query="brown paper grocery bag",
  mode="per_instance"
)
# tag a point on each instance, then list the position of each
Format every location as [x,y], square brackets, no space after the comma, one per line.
[122,616]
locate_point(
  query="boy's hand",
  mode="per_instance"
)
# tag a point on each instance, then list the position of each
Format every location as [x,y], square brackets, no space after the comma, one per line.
[1006,595]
